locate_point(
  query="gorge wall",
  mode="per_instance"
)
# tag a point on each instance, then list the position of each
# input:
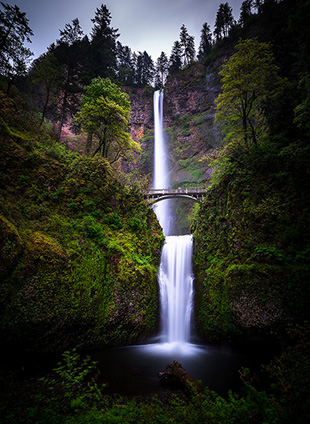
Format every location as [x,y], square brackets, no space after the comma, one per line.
[188,124]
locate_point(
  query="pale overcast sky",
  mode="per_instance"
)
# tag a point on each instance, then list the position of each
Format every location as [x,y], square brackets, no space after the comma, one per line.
[151,25]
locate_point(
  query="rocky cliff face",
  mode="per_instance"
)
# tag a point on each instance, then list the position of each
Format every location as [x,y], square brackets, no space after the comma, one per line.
[188,122]
[141,116]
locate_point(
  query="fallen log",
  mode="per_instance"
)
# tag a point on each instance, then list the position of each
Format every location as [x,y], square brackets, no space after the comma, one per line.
[176,373]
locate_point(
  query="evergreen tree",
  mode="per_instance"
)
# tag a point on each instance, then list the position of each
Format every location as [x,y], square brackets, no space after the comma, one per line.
[258,4]
[125,64]
[224,21]
[175,61]
[68,53]
[144,69]
[103,44]
[162,64]
[71,33]
[14,31]
[188,46]
[245,11]
[205,41]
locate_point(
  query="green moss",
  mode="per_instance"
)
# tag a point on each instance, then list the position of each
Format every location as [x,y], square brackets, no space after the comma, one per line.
[11,246]
[249,269]
[79,251]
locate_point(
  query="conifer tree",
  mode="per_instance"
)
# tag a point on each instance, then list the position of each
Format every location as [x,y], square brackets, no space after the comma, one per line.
[245,11]
[14,31]
[188,46]
[68,54]
[162,64]
[175,61]
[205,41]
[103,44]
[224,21]
[144,69]
[125,64]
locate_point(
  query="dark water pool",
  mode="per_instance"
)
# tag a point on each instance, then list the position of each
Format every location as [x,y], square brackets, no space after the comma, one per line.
[133,370]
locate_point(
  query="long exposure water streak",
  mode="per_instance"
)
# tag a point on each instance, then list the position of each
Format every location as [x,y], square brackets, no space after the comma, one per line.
[133,369]
[176,275]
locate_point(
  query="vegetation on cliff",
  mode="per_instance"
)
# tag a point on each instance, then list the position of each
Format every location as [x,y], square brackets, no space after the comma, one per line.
[79,251]
[252,231]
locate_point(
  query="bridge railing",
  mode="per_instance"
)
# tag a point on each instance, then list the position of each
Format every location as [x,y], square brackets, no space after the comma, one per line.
[180,190]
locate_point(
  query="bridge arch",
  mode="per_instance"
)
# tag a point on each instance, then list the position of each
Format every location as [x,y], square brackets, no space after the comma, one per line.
[174,196]
[156,195]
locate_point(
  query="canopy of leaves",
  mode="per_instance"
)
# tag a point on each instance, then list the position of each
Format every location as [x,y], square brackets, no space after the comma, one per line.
[250,80]
[105,114]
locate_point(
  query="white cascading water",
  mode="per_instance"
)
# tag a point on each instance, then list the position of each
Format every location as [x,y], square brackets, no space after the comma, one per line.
[175,275]
[176,289]
[161,175]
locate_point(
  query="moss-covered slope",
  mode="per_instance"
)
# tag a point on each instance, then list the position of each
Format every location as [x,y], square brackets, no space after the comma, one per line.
[252,245]
[78,251]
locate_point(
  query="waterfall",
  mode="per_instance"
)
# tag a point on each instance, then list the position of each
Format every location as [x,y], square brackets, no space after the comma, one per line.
[175,275]
[176,288]
[161,174]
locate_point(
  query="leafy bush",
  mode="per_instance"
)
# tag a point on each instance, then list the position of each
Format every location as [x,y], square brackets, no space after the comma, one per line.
[135,224]
[114,221]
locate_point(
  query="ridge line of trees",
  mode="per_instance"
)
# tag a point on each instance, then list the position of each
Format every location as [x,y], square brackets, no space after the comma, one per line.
[101,55]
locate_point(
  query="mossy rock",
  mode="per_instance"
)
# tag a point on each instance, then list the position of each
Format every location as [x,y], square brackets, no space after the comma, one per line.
[11,246]
[43,249]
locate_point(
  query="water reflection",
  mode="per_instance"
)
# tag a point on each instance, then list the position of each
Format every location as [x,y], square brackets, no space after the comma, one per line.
[133,370]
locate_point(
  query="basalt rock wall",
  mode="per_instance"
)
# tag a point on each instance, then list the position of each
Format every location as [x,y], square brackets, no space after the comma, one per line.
[188,124]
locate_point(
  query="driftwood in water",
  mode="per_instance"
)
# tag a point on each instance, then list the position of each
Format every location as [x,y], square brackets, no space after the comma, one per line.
[176,373]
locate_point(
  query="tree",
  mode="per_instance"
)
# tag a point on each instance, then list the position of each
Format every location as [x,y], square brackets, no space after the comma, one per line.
[245,11]
[46,73]
[105,115]
[258,4]
[14,31]
[188,46]
[125,64]
[161,70]
[175,61]
[250,80]
[68,53]
[302,110]
[71,33]
[205,41]
[103,44]
[224,21]
[144,69]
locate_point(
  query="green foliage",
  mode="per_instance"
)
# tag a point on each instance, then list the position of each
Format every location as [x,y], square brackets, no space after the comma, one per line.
[114,221]
[71,394]
[250,243]
[135,224]
[105,114]
[249,78]
[73,240]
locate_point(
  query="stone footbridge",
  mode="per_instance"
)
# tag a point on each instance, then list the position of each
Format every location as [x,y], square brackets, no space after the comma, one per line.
[155,195]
